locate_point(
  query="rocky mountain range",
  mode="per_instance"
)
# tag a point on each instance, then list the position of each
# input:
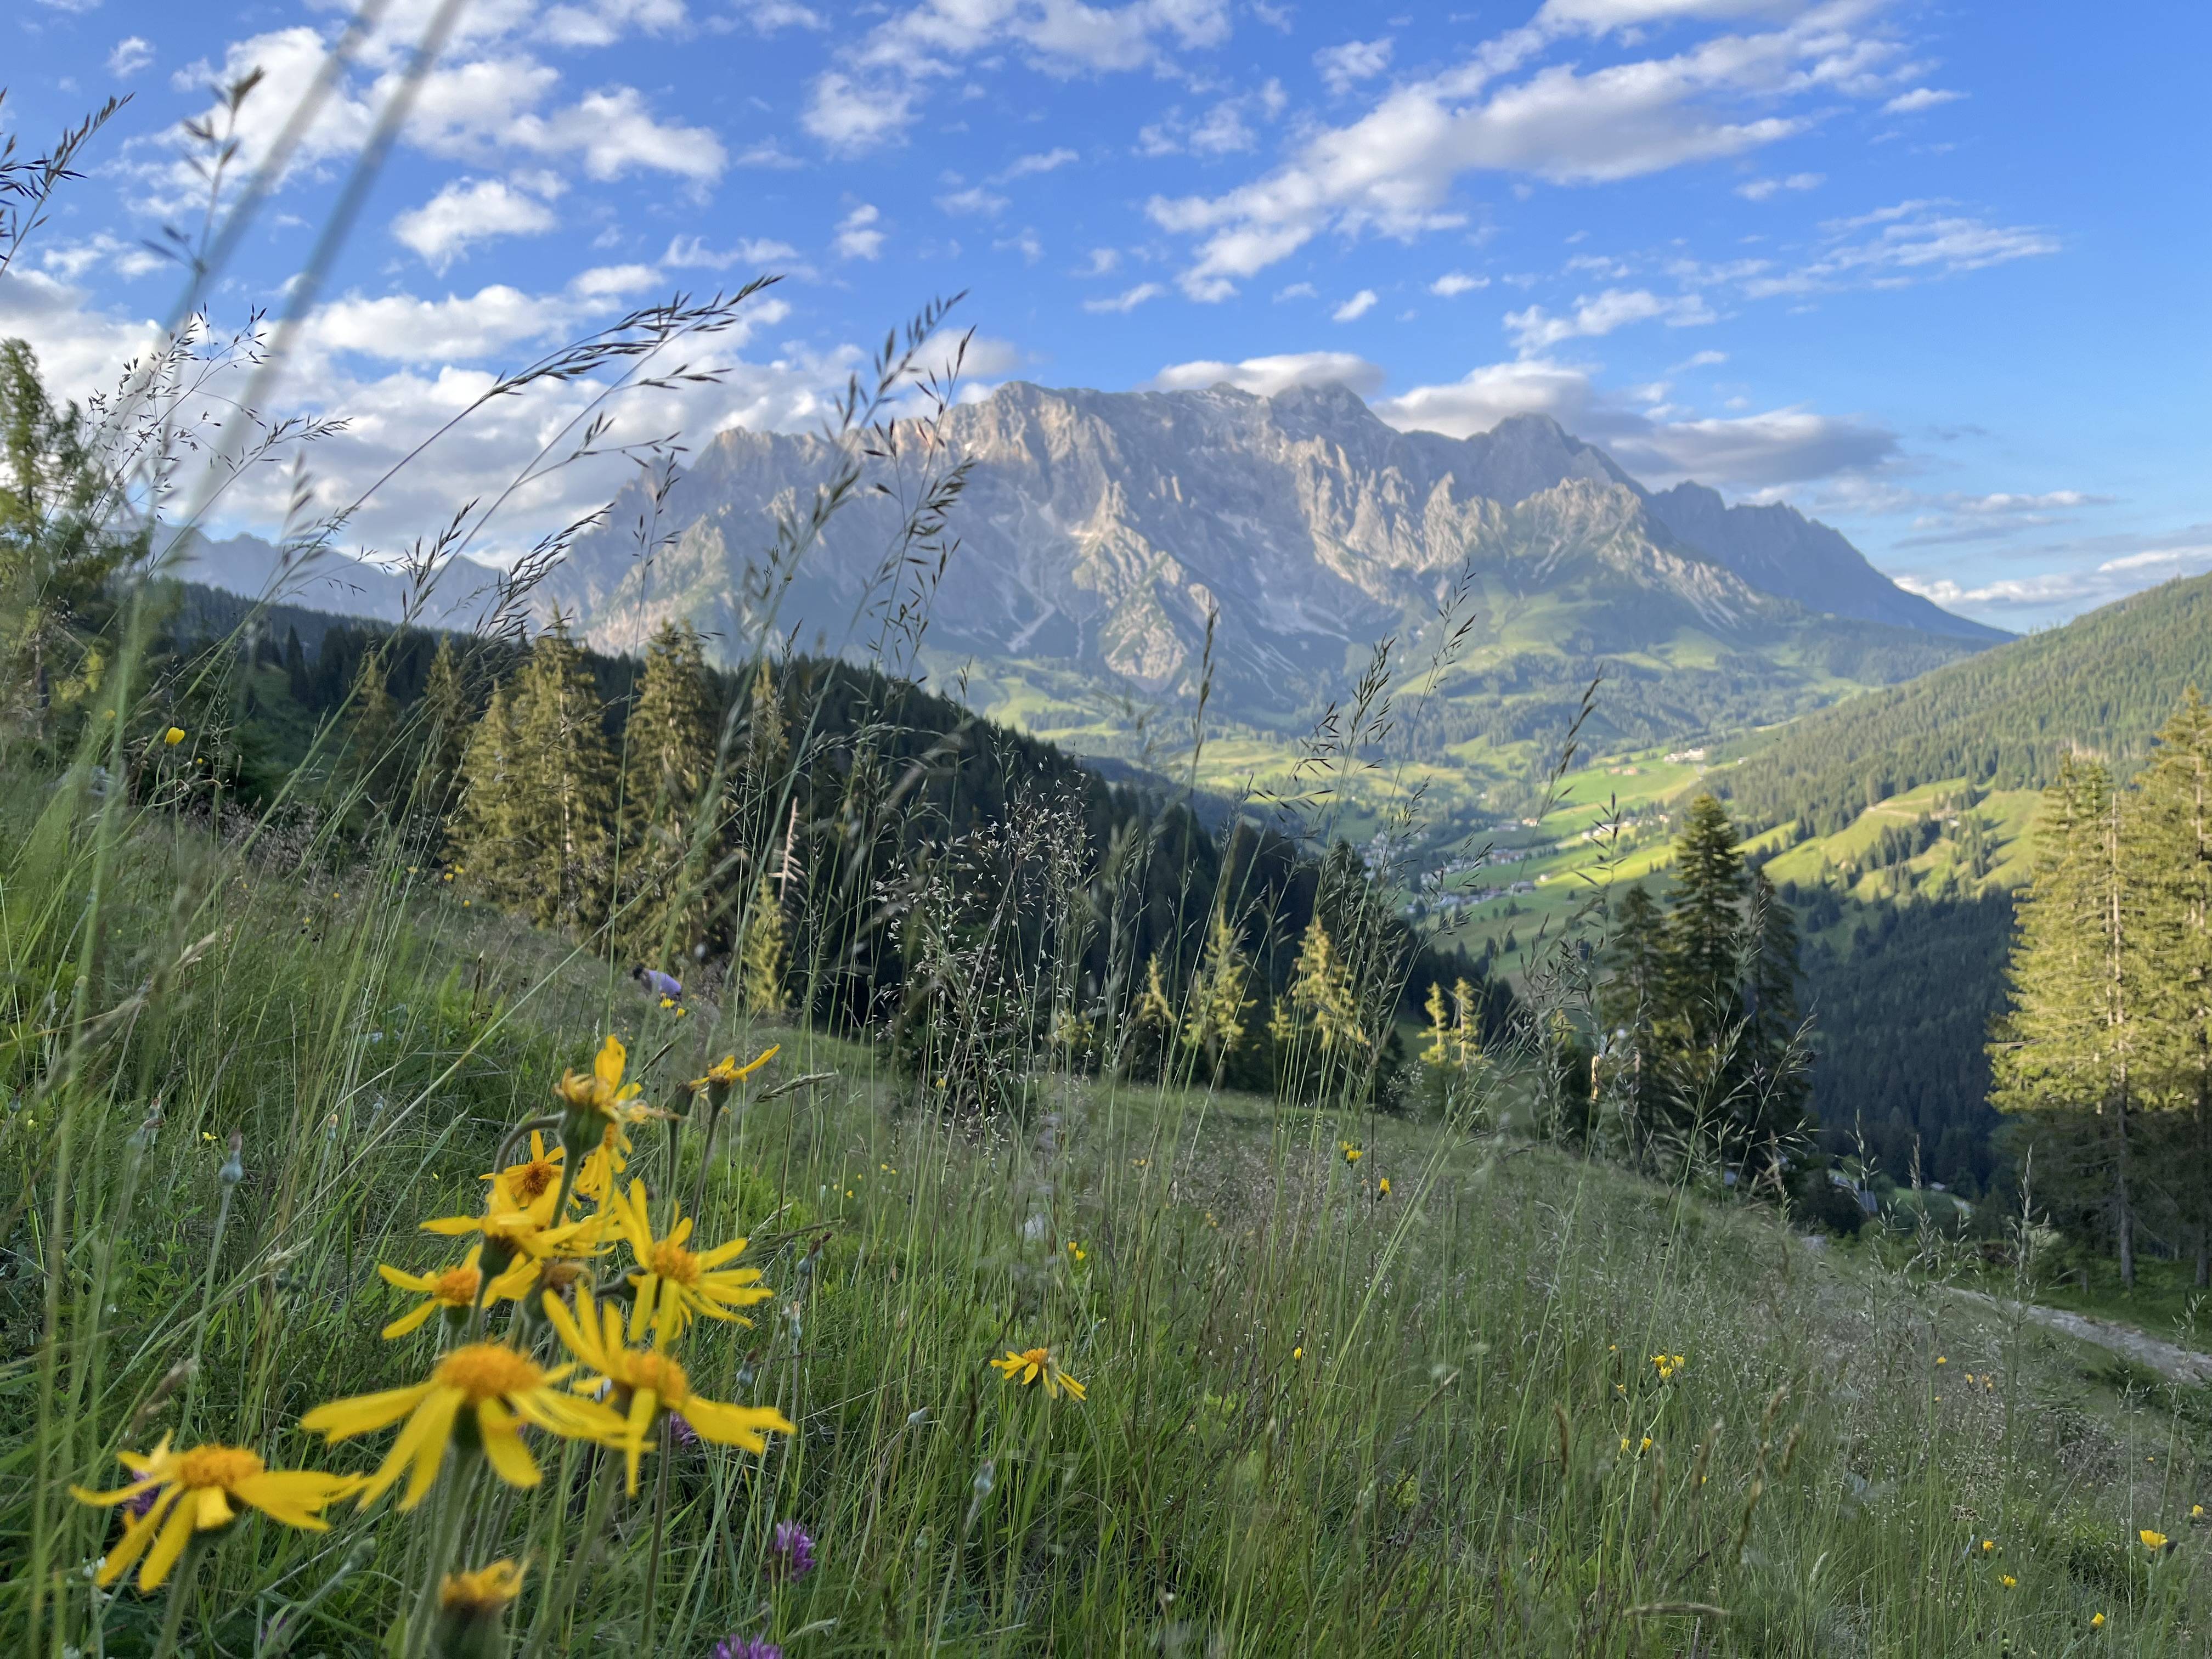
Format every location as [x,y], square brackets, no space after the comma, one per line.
[1100,534]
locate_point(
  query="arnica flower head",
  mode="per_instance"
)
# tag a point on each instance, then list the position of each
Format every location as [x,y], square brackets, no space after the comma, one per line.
[173,736]
[2096,1621]
[592,1101]
[455,1289]
[471,1606]
[674,1283]
[747,1647]
[496,1388]
[519,1185]
[1382,1188]
[531,1231]
[725,1075]
[2009,1582]
[1351,1153]
[790,1551]
[1667,1364]
[644,1383]
[191,1492]
[1035,1364]
[2154,1540]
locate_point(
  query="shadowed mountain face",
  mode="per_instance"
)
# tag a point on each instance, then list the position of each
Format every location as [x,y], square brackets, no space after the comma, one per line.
[1100,530]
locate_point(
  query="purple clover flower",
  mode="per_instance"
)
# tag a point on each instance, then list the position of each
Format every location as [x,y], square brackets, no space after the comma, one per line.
[746,1647]
[791,1552]
[136,1507]
[683,1435]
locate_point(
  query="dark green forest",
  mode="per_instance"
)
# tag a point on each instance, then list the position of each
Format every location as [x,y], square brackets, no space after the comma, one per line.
[2001,718]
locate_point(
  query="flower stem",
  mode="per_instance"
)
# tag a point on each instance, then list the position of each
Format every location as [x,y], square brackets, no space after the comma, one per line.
[181,1580]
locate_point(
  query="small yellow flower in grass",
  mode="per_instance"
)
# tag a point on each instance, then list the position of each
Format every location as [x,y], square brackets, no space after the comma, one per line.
[646,1382]
[1035,1364]
[725,1073]
[495,1387]
[1076,1252]
[1382,1188]
[1667,1364]
[519,1185]
[676,1283]
[1941,1360]
[1646,1446]
[454,1289]
[2096,1621]
[2196,1512]
[1296,1353]
[2153,1540]
[1351,1153]
[471,1606]
[173,736]
[1989,1546]
[2009,1582]
[188,1492]
[596,1100]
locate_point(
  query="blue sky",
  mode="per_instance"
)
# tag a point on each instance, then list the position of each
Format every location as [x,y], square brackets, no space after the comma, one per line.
[1933,273]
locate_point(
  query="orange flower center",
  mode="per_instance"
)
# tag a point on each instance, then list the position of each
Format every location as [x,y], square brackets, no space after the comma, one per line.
[1039,1357]
[530,1182]
[458,1286]
[217,1466]
[488,1370]
[662,1374]
[560,1275]
[674,1261]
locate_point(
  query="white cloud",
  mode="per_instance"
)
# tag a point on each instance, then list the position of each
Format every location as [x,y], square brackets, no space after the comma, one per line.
[612,131]
[1025,242]
[1760,451]
[1537,330]
[1912,241]
[2048,501]
[1265,376]
[1700,360]
[602,22]
[857,235]
[1920,98]
[468,211]
[973,199]
[131,54]
[1354,309]
[767,16]
[691,253]
[77,8]
[1101,260]
[878,90]
[99,252]
[1127,300]
[1297,291]
[2066,592]
[400,328]
[1343,67]
[1453,283]
[1760,190]
[1046,161]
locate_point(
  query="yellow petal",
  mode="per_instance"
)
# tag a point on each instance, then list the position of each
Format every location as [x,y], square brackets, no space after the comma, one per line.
[136,1536]
[503,1449]
[214,1510]
[294,1495]
[414,1318]
[342,1420]
[174,1536]
[608,1066]
[747,1426]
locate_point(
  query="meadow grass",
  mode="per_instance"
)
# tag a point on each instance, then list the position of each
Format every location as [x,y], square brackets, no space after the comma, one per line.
[1524,1403]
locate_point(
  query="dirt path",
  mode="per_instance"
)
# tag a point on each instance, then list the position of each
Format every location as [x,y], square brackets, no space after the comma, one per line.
[2181,1365]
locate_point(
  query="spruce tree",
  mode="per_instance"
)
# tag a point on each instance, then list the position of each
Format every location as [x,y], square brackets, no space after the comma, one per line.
[1705,922]
[442,718]
[1632,1003]
[373,721]
[2170,859]
[561,787]
[668,773]
[480,833]
[2062,1050]
[763,964]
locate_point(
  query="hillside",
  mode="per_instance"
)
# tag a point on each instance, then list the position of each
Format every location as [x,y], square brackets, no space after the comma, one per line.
[2103,683]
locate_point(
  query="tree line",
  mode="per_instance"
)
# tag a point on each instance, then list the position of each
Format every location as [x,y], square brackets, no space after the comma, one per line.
[2104,1054]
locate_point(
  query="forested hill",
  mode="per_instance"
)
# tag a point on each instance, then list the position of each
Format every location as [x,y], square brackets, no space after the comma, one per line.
[2104,683]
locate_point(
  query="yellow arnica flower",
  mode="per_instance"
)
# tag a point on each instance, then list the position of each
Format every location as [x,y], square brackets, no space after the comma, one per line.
[173,736]
[596,1178]
[2009,1582]
[1667,1364]
[2096,1621]
[1382,1188]
[519,1185]
[1032,1364]
[499,1388]
[645,1382]
[1351,1153]
[675,1283]
[2152,1540]
[602,1091]
[488,1589]
[192,1492]
[727,1073]
[527,1231]
[455,1288]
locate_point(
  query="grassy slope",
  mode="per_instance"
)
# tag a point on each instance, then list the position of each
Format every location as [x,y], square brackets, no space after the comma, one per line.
[1317,1421]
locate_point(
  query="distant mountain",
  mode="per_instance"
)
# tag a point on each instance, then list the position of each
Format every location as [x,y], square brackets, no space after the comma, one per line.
[2103,683]
[1099,532]
[332,582]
